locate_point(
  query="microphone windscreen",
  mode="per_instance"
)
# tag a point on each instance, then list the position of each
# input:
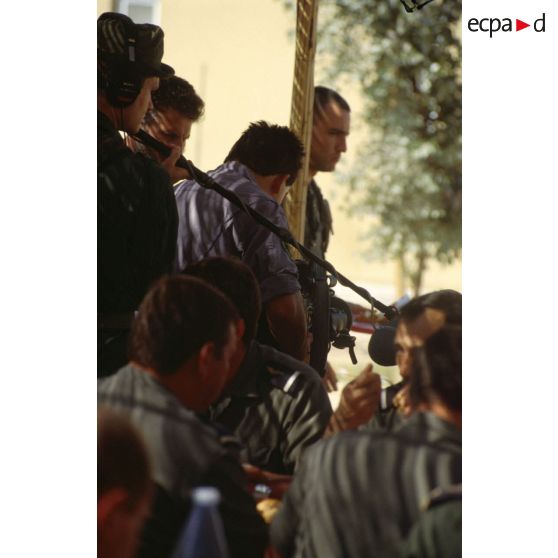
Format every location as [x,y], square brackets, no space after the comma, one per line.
[381,346]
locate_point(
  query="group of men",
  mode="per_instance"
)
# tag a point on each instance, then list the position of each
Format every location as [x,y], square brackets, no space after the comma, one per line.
[203,345]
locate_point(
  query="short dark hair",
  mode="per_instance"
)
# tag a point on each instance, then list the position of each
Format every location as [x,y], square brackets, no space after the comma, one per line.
[447,301]
[122,458]
[436,369]
[239,284]
[268,149]
[175,319]
[324,95]
[176,93]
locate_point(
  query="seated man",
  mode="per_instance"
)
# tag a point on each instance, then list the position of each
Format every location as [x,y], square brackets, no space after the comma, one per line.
[123,486]
[259,169]
[419,319]
[359,493]
[276,405]
[437,532]
[181,344]
[176,106]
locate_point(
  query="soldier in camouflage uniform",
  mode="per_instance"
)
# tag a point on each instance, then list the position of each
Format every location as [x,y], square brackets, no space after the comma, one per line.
[437,533]
[419,319]
[331,125]
[181,346]
[276,405]
[359,494]
[136,211]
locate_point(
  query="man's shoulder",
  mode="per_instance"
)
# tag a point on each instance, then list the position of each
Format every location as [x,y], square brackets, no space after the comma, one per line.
[286,373]
[169,428]
[115,159]
[135,390]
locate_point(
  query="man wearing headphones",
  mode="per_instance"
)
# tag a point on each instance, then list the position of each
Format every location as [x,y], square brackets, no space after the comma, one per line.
[136,210]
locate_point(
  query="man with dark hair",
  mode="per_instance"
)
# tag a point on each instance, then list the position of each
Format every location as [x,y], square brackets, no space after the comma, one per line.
[359,494]
[330,128]
[419,319]
[176,106]
[123,485]
[260,167]
[181,345]
[136,211]
[276,405]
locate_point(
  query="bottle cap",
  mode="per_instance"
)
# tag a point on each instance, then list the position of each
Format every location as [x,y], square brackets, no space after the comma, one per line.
[206,495]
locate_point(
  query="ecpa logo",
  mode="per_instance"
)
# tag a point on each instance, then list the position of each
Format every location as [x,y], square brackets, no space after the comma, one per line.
[494,24]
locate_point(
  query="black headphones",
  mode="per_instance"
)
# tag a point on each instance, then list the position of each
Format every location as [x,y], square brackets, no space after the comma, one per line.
[124,80]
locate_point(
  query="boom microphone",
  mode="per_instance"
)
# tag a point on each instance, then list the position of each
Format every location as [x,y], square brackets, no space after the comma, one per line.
[381,346]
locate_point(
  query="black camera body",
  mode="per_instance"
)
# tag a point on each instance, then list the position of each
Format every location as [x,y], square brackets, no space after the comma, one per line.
[329,318]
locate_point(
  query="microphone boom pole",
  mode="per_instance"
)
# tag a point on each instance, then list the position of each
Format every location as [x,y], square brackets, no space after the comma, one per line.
[285,235]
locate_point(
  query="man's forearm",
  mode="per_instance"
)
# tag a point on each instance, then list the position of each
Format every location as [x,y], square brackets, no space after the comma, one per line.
[286,319]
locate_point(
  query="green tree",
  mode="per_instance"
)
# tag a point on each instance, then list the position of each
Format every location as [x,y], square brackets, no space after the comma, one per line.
[408,66]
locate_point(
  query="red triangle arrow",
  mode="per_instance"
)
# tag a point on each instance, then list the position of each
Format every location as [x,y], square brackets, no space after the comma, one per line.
[519,25]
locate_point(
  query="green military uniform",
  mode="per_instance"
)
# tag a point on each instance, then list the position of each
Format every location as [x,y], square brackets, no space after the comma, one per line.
[136,237]
[277,406]
[437,533]
[318,221]
[185,453]
[359,494]
[387,420]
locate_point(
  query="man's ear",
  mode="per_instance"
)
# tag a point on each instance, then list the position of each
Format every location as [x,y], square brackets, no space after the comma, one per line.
[109,502]
[240,329]
[205,357]
[277,182]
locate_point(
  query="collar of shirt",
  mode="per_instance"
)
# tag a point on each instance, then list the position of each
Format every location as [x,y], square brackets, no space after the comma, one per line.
[238,170]
[245,383]
[427,427]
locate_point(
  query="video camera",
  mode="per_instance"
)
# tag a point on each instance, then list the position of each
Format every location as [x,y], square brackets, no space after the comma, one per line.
[329,318]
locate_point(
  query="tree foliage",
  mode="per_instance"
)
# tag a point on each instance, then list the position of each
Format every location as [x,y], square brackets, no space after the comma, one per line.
[408,174]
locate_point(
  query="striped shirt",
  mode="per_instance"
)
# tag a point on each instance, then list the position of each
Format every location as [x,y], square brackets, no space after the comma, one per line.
[210,225]
[277,406]
[358,494]
[185,453]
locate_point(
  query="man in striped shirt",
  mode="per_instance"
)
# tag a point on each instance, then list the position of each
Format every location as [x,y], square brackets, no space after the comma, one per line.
[359,493]
[259,169]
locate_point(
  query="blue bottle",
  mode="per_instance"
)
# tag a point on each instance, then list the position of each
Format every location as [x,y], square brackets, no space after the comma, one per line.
[203,535]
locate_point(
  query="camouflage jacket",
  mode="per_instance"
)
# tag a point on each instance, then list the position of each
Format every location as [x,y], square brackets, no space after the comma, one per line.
[318,221]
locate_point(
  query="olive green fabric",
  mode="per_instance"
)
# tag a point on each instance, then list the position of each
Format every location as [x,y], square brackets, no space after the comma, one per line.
[437,533]
[319,222]
[277,406]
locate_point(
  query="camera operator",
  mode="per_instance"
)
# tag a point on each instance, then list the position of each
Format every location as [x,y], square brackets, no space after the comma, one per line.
[136,210]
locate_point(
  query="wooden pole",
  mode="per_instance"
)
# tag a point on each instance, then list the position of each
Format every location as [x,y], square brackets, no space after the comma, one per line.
[301,109]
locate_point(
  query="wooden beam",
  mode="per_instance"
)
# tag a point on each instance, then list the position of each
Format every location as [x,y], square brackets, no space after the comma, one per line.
[302,101]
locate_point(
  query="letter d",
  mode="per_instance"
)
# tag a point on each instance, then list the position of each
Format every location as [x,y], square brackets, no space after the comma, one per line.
[543,24]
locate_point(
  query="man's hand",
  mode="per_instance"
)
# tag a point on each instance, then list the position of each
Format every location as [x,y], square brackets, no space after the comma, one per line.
[359,401]
[402,401]
[330,378]
[169,164]
[268,508]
